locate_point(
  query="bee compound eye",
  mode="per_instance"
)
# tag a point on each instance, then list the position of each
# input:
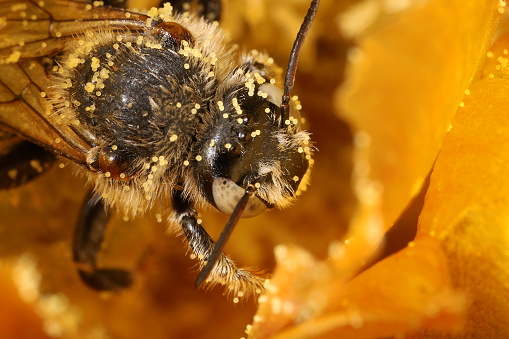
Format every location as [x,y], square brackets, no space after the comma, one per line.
[227,194]
[172,32]
[235,149]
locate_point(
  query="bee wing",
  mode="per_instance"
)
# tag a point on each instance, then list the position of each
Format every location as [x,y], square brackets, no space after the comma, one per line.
[30,30]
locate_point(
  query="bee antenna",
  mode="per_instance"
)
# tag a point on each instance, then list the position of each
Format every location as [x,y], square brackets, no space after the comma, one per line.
[225,235]
[294,59]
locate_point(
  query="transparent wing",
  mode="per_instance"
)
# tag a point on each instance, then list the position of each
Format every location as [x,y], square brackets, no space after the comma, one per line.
[29,31]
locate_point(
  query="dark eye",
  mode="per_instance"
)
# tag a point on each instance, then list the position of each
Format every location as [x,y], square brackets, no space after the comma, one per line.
[235,148]
[244,137]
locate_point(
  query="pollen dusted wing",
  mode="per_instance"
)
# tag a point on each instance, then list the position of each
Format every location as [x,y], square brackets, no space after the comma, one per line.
[30,31]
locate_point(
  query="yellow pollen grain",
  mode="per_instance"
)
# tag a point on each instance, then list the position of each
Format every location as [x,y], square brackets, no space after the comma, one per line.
[462,104]
[467,92]
[225,115]
[257,185]
[199,158]
[212,143]
[192,256]
[186,66]
[178,105]
[122,175]
[267,110]
[186,163]
[228,145]
[43,94]
[194,111]
[107,174]
[240,120]
[114,147]
[173,137]
[295,178]
[501,10]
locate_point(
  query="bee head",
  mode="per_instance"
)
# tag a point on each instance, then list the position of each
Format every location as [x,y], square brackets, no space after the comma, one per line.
[251,143]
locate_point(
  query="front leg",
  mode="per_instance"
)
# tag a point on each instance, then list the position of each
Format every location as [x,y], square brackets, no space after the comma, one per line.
[88,239]
[238,281]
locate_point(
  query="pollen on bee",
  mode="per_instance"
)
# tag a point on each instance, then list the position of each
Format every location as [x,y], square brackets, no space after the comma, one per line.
[126,188]
[235,300]
[257,185]
[225,115]
[12,173]
[107,174]
[114,147]
[201,256]
[199,221]
[61,165]
[267,110]
[178,105]
[212,143]
[194,111]
[57,140]
[41,3]
[228,145]
[98,93]
[192,256]
[58,34]
[300,150]
[295,178]
[186,162]
[199,158]
[186,66]
[14,57]
[148,197]
[89,87]
[116,46]
[35,164]
[173,137]
[240,120]
[43,94]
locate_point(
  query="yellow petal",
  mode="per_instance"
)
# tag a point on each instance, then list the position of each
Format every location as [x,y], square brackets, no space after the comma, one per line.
[467,209]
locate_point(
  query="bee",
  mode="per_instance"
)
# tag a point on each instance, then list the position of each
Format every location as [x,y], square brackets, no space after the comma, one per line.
[151,107]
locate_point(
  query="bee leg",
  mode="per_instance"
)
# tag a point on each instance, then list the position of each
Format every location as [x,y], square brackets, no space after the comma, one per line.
[88,238]
[208,9]
[21,162]
[225,271]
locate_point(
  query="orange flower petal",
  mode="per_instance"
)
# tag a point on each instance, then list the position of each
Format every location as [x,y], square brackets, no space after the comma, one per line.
[467,203]
[405,84]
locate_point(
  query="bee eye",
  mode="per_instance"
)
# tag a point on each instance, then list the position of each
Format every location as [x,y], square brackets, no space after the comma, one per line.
[244,137]
[235,149]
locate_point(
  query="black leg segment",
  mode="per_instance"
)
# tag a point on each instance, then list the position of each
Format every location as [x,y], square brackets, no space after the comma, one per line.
[22,161]
[209,9]
[201,244]
[88,238]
